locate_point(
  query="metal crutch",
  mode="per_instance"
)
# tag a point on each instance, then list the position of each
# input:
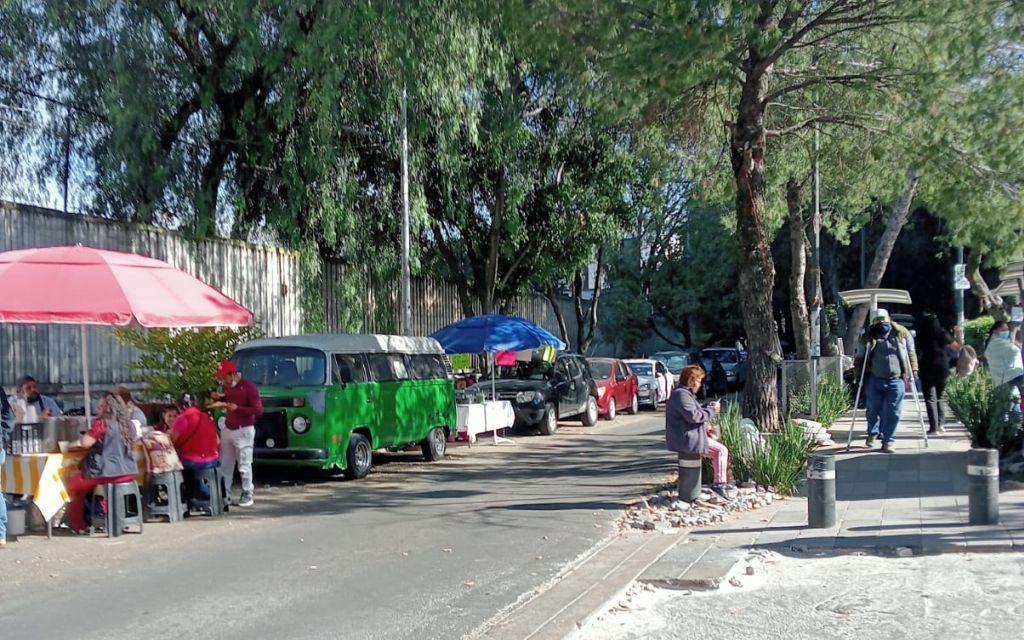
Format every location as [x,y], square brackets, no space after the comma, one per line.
[920,418]
[856,401]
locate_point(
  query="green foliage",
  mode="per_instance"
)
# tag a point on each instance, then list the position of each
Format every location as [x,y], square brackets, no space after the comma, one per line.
[174,361]
[976,332]
[833,401]
[984,410]
[776,461]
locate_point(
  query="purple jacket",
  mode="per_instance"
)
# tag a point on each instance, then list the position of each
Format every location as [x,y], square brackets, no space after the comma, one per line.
[686,423]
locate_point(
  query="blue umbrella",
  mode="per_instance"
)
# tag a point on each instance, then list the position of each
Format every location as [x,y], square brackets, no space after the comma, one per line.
[493,333]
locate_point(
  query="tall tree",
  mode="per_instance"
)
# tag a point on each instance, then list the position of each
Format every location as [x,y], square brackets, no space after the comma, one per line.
[751,56]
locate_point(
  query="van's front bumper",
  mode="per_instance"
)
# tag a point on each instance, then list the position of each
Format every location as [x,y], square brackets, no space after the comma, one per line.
[289,455]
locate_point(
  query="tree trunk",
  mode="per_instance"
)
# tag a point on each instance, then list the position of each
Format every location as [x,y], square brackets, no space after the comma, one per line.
[552,295]
[587,329]
[756,268]
[992,303]
[893,225]
[488,298]
[798,271]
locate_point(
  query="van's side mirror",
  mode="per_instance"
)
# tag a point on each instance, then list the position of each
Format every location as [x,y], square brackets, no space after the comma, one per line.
[558,379]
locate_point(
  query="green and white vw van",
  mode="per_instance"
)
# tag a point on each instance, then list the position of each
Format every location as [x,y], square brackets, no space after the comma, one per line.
[329,400]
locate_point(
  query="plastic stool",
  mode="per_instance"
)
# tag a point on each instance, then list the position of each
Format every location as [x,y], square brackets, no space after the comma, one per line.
[124,508]
[164,493]
[217,505]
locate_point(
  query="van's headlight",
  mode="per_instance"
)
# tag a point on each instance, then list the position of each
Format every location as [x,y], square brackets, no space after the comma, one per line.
[300,424]
[645,387]
[222,422]
[526,397]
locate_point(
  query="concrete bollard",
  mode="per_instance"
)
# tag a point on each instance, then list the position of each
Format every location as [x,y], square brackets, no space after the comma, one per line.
[689,477]
[821,491]
[983,486]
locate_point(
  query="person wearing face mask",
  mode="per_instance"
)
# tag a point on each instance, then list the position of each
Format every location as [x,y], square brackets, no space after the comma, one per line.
[891,365]
[1003,356]
[241,400]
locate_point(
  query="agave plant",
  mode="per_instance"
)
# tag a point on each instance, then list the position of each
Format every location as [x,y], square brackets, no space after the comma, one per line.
[984,409]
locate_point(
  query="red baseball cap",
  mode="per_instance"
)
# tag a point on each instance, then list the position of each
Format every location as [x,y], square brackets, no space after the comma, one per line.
[225,369]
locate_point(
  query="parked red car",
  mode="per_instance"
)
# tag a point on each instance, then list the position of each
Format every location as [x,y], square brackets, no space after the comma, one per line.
[616,387]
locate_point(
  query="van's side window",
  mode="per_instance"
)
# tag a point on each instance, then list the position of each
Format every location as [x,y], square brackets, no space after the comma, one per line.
[348,368]
[380,367]
[398,367]
[427,366]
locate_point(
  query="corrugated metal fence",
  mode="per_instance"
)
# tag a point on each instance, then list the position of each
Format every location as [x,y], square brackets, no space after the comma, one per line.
[265,279]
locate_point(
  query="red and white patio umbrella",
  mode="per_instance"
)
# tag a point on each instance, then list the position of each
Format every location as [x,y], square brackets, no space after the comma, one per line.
[81,285]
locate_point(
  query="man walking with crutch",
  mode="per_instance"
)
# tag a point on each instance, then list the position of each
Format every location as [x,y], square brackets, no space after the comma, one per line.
[891,366]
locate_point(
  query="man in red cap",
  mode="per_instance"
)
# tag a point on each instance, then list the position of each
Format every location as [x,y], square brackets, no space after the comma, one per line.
[241,400]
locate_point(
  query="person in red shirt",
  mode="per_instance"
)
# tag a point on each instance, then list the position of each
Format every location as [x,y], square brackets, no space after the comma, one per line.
[195,438]
[241,399]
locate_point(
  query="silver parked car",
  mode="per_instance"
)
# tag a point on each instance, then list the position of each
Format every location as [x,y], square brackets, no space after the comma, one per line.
[654,379]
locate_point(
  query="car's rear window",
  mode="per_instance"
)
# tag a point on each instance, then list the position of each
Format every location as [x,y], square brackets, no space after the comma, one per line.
[642,369]
[601,369]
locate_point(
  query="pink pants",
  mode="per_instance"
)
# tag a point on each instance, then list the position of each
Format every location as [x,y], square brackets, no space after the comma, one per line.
[719,455]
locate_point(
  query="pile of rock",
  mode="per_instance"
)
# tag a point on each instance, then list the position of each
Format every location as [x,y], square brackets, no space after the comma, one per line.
[662,511]
[822,437]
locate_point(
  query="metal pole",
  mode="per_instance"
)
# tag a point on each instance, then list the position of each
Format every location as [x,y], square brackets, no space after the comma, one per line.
[815,279]
[406,272]
[821,491]
[67,156]
[983,486]
[958,295]
[85,376]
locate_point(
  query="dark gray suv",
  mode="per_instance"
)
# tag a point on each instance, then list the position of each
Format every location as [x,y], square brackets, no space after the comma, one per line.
[542,392]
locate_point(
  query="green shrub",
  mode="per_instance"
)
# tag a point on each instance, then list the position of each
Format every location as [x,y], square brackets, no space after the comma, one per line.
[983,409]
[833,401]
[976,332]
[777,461]
[178,360]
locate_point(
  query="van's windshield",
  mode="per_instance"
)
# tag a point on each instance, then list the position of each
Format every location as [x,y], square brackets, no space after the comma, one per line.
[282,366]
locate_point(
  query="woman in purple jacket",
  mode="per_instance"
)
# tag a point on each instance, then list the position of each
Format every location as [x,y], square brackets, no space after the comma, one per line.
[688,429]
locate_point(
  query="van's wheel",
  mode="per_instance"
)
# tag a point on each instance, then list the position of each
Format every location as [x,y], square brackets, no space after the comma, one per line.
[434,445]
[590,414]
[359,457]
[634,406]
[549,425]
[612,410]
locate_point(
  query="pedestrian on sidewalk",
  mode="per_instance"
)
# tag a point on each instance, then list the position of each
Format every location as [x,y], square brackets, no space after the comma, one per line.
[241,399]
[891,367]
[1004,357]
[687,426]
[6,425]
[933,344]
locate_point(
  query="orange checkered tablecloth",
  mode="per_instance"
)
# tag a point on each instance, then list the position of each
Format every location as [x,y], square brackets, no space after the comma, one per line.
[43,476]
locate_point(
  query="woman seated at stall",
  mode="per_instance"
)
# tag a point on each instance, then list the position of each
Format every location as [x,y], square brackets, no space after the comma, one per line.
[195,438]
[110,458]
[167,417]
[688,428]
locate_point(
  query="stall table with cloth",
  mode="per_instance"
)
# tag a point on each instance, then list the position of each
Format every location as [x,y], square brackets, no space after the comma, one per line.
[474,419]
[44,476]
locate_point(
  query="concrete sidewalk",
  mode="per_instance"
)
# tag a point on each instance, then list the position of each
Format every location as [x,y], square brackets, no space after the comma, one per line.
[914,498]
[911,502]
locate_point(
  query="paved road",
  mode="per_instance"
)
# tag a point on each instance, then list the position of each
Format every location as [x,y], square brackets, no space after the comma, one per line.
[414,551]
